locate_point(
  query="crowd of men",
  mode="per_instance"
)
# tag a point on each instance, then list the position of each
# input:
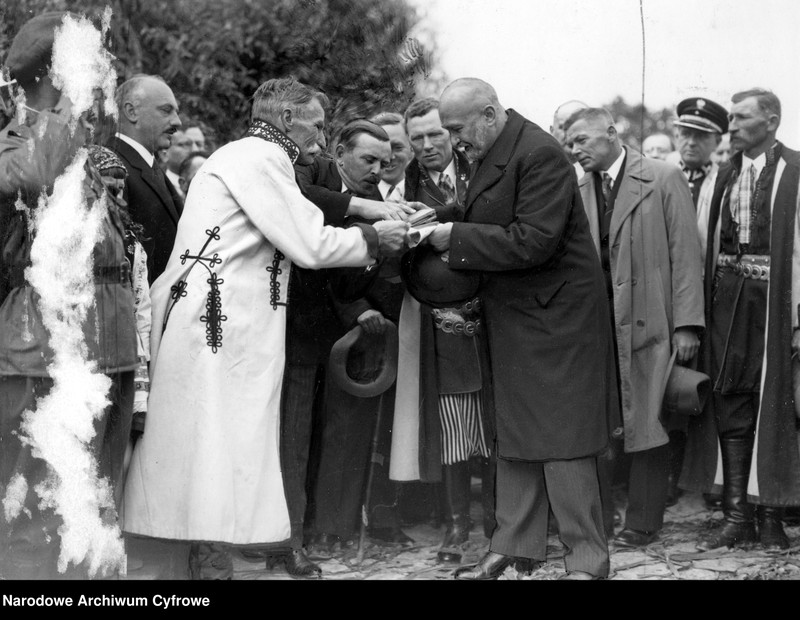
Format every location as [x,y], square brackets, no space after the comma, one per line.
[299,360]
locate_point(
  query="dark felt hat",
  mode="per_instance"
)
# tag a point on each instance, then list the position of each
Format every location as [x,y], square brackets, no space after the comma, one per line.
[338,364]
[687,390]
[31,52]
[429,279]
[702,114]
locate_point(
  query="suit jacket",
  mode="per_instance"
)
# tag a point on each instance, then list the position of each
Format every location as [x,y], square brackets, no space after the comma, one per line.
[420,188]
[156,210]
[656,270]
[543,296]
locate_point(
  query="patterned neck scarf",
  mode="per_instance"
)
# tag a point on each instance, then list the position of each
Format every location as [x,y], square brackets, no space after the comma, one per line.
[746,193]
[270,133]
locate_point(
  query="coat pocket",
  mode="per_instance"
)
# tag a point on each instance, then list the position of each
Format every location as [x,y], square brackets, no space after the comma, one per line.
[546,295]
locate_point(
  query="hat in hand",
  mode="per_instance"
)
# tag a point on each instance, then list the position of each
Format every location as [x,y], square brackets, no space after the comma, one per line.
[429,279]
[338,365]
[31,52]
[687,390]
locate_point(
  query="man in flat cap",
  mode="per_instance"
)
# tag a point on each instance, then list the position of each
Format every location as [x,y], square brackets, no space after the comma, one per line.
[35,149]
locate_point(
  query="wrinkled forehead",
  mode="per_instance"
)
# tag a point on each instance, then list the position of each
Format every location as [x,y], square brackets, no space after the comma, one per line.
[587,127]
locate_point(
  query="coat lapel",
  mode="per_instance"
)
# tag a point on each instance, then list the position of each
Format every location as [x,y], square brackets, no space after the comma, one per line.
[148,176]
[589,197]
[493,166]
[636,185]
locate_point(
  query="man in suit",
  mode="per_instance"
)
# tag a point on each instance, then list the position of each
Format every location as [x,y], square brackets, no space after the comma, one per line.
[447,404]
[148,118]
[392,185]
[752,302]
[642,221]
[546,320]
[188,139]
[362,151]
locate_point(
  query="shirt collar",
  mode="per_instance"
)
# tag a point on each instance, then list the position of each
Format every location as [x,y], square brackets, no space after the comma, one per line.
[758,163]
[692,172]
[613,169]
[139,148]
[399,190]
[450,170]
[270,133]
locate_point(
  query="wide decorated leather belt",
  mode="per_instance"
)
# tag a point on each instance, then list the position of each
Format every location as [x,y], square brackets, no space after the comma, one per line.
[461,321]
[752,266]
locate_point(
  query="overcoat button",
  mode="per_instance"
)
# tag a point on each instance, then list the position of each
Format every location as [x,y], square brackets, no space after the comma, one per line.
[640,323]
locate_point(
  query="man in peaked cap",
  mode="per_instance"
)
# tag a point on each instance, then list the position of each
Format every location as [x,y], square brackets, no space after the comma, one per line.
[700,125]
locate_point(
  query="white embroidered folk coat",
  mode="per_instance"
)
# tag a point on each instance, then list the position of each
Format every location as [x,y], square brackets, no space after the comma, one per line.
[207,467]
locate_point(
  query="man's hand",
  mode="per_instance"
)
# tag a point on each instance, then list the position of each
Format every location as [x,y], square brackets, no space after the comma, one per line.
[372,322]
[378,210]
[686,342]
[391,236]
[440,237]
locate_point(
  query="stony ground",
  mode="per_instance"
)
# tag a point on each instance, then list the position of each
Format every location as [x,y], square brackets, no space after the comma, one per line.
[672,557]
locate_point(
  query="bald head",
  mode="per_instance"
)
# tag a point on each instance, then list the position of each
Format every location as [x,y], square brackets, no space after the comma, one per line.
[471,112]
[148,111]
[562,113]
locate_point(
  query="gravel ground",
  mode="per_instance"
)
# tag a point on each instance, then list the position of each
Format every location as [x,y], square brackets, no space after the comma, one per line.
[672,557]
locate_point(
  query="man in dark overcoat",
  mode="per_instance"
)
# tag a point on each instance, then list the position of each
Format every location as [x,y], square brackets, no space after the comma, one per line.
[548,331]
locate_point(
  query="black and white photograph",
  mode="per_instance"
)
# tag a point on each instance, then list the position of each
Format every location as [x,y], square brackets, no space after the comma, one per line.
[396,290]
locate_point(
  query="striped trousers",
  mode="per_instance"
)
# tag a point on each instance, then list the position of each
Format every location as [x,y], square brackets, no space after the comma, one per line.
[460,416]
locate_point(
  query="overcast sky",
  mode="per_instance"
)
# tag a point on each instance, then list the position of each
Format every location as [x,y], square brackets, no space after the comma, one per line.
[540,53]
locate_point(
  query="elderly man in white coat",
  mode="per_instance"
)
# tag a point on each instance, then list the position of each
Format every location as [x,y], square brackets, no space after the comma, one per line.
[207,469]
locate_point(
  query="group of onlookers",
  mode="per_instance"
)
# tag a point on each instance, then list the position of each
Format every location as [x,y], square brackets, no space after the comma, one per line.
[316,340]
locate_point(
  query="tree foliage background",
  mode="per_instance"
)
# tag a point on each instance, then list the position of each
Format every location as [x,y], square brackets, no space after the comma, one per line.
[215,53]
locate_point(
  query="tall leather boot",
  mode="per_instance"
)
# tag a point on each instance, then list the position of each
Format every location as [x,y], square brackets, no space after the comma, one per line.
[770,528]
[457,489]
[738,525]
[488,474]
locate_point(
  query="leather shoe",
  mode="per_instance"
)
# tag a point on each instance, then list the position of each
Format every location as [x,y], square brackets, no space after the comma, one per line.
[390,535]
[633,539]
[298,565]
[578,575]
[491,566]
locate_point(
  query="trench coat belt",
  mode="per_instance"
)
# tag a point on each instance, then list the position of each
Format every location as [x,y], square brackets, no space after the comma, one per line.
[753,266]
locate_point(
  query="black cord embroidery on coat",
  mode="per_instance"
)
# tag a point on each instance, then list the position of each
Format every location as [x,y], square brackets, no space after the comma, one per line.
[213,317]
[275,286]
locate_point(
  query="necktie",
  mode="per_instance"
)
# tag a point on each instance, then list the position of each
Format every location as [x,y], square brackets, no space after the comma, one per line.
[607,190]
[696,182]
[446,187]
[161,179]
[390,195]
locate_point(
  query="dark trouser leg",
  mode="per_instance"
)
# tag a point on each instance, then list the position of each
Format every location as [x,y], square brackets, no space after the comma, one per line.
[296,424]
[677,445]
[647,489]
[344,454]
[521,510]
[575,499]
[607,464]
[488,475]
[526,491]
[384,495]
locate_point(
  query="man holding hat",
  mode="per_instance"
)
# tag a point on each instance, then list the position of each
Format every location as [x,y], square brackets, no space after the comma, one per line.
[36,148]
[642,221]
